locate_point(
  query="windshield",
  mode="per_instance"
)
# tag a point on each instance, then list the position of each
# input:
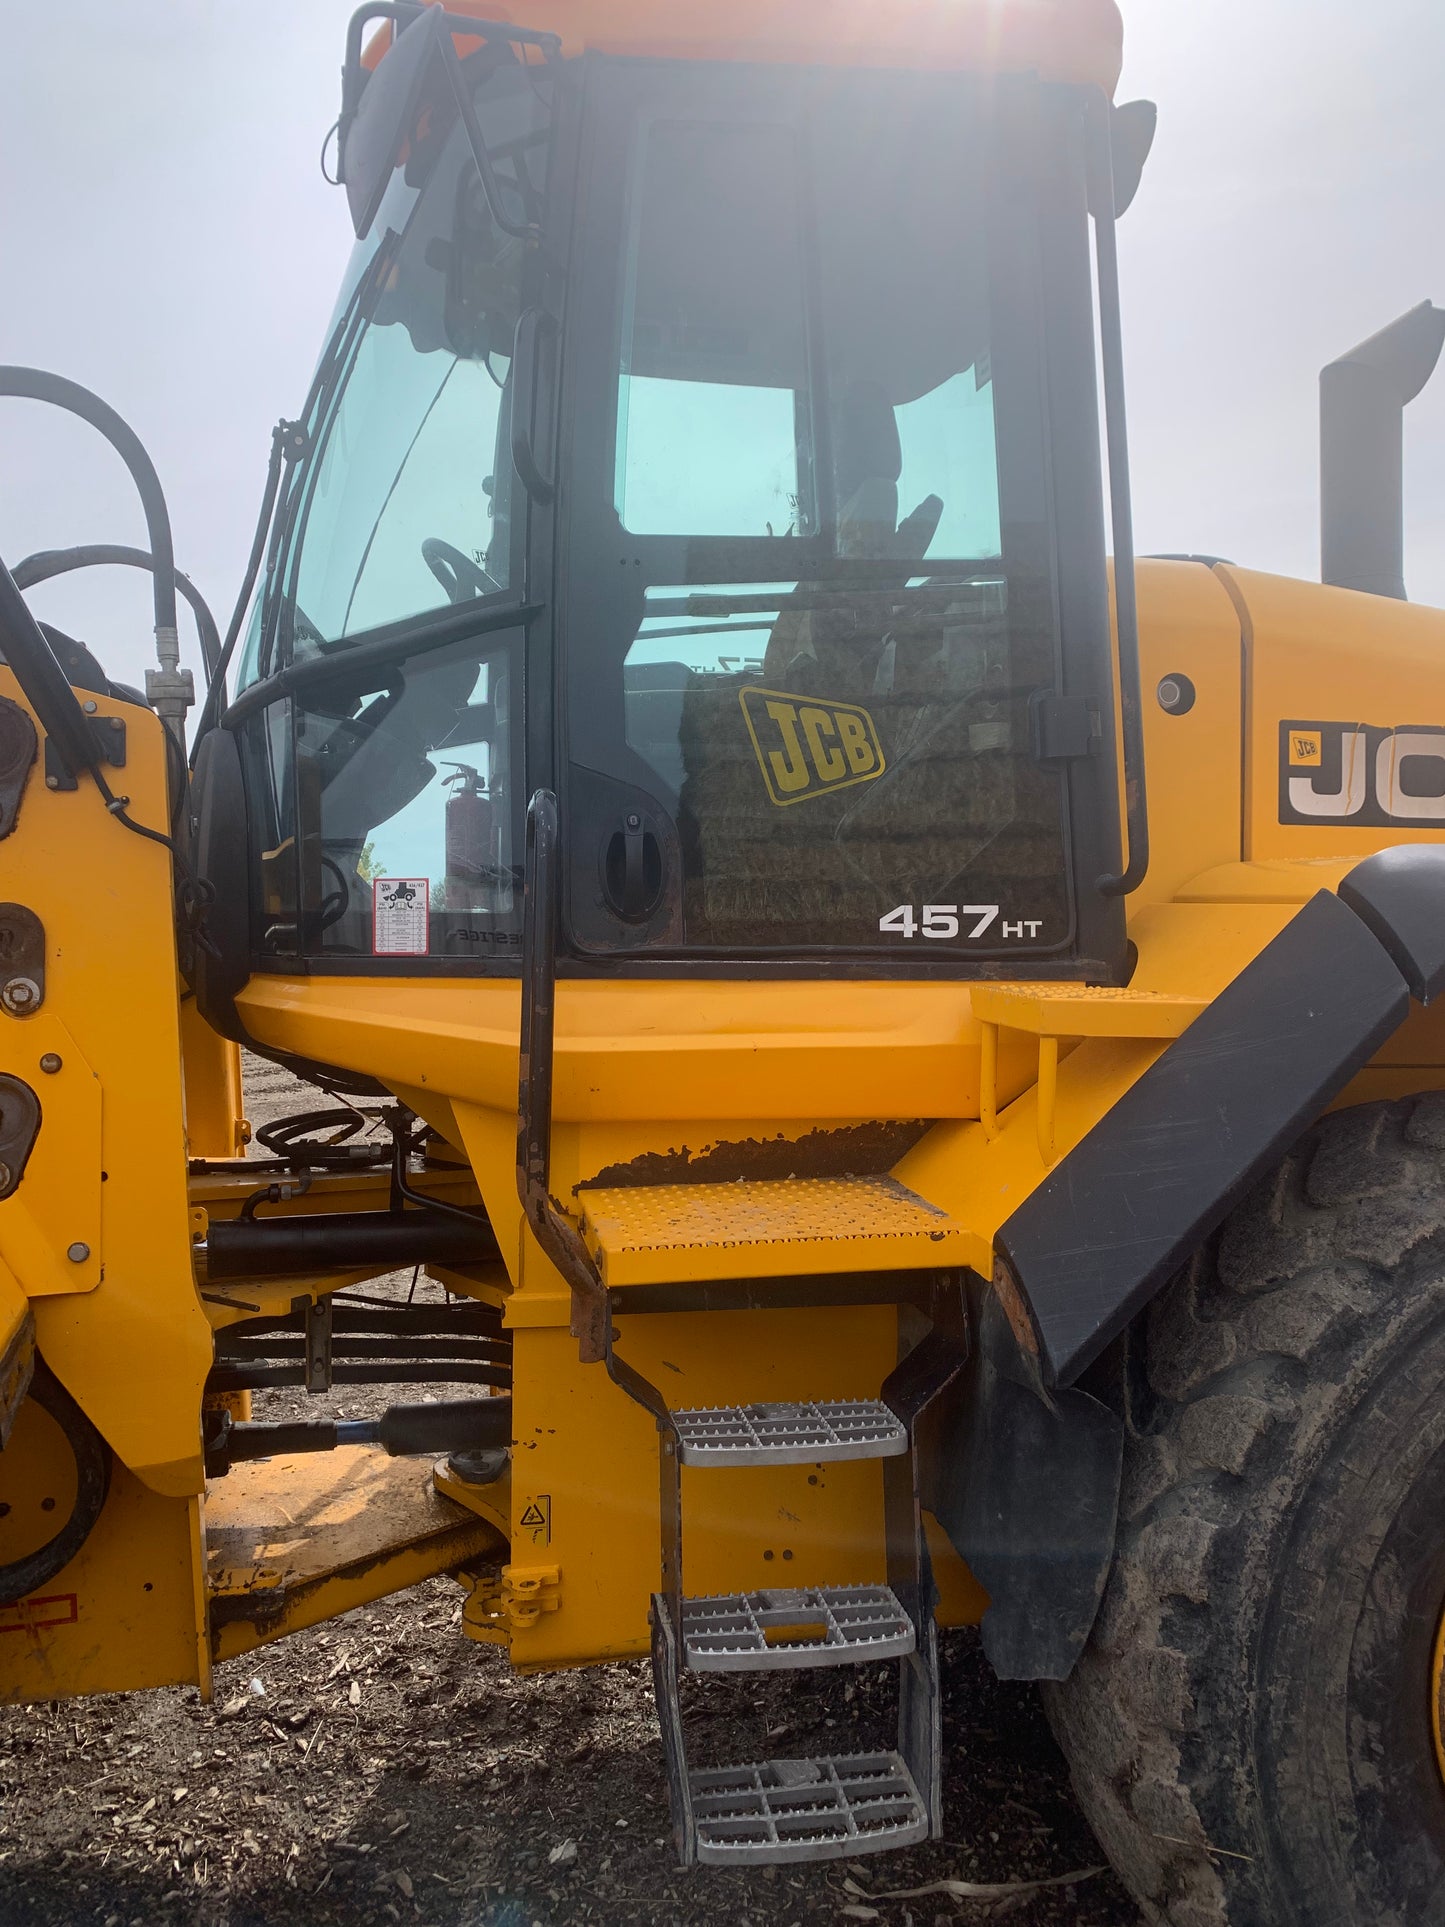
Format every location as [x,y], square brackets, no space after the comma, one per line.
[404,506]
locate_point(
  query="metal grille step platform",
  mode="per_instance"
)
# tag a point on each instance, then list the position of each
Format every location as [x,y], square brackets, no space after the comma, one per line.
[660,1234]
[791,1810]
[789,1434]
[786,1629]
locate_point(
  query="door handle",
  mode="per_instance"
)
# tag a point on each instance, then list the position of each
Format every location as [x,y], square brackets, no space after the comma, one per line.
[531,324]
[632,870]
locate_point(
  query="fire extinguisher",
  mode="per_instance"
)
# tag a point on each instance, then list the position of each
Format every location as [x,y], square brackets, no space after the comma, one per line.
[468,827]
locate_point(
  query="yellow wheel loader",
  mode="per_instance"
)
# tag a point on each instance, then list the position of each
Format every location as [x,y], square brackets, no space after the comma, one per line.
[915,1057]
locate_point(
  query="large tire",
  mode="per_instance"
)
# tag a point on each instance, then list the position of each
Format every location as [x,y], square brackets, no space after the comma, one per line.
[1250,1726]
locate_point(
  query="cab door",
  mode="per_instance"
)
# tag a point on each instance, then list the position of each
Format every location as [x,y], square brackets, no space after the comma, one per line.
[816,701]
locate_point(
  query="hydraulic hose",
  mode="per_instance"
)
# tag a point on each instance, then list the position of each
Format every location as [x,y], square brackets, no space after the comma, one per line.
[44,682]
[287,438]
[46,564]
[36,384]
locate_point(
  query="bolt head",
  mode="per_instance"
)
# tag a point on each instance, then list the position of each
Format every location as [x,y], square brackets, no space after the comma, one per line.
[52,782]
[51,1062]
[89,707]
[78,1252]
[20,996]
[6,1175]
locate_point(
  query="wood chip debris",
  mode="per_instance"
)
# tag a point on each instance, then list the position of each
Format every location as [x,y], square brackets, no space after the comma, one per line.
[975,1889]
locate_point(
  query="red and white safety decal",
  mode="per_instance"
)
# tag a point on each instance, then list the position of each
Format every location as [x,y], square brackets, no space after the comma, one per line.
[399,916]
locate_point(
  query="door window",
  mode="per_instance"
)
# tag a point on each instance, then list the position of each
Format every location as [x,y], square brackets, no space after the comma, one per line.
[820,610]
[408,808]
[713,389]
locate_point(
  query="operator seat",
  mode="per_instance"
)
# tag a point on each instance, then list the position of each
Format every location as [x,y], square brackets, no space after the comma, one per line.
[835,651]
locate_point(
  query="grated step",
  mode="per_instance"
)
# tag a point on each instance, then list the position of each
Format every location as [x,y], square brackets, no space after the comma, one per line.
[789,1434]
[785,1629]
[792,1810]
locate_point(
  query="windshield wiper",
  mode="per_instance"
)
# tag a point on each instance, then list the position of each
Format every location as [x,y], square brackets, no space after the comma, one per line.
[335,359]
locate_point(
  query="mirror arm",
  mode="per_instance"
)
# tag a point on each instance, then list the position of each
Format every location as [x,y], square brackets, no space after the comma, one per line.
[466,108]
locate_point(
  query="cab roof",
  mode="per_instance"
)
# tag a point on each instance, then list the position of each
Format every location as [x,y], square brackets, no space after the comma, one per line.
[1077,41]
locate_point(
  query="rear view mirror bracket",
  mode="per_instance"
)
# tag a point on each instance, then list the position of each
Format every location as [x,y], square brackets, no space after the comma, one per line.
[420,34]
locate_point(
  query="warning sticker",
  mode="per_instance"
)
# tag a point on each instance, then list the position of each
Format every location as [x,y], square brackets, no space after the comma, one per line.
[399,916]
[536,1519]
[33,1615]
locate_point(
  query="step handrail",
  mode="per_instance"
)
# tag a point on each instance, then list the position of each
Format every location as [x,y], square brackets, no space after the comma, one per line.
[550,1225]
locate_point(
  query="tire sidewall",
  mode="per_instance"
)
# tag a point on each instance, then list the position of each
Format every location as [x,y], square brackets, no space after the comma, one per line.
[1349,1787]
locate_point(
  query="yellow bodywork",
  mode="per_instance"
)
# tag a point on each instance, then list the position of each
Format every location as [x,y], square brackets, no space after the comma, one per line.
[559,1559]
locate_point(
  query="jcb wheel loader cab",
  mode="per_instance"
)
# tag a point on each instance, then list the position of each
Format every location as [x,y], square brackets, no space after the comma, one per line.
[711,438]
[674,766]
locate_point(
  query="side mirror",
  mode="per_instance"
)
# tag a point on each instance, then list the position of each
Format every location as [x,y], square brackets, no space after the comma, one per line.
[1131,130]
[380,109]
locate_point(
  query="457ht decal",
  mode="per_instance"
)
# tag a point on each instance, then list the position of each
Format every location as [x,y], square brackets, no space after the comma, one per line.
[947,921]
[1359,774]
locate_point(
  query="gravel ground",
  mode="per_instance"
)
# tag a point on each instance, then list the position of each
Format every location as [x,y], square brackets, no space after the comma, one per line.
[385,1769]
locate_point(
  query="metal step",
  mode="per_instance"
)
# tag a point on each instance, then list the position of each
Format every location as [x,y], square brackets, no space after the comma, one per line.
[668,1234]
[785,1629]
[789,1434]
[791,1810]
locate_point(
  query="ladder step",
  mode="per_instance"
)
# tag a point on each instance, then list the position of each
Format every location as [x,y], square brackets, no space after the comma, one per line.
[791,1810]
[786,1629]
[789,1434]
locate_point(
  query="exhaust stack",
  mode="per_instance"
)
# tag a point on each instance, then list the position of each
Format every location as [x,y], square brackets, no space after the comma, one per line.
[1363,397]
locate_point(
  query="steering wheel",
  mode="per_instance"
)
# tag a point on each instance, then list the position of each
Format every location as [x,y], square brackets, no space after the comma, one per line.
[335,905]
[303,629]
[457,573]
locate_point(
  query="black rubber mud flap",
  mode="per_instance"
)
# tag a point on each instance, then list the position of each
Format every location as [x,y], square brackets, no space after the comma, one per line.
[1118,1216]
[1027,1489]
[1029,1466]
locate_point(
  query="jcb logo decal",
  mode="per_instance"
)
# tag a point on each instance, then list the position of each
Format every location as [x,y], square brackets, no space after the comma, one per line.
[809,748]
[1356,773]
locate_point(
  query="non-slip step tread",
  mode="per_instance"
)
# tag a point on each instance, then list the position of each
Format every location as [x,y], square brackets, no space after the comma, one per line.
[777,1811]
[778,1227]
[796,1433]
[786,1629]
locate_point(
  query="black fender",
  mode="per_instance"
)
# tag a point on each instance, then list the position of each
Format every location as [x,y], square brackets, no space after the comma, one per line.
[1038,1458]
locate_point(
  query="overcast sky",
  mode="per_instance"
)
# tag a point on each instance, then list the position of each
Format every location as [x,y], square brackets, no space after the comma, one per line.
[167,239]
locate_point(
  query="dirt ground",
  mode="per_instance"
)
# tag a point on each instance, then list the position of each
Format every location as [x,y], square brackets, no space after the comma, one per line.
[385,1769]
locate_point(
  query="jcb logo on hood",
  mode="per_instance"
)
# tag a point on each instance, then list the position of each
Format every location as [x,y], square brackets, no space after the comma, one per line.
[806,747]
[1356,773]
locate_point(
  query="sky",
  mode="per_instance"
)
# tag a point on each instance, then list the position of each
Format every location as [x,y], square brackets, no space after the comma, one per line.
[166,238]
